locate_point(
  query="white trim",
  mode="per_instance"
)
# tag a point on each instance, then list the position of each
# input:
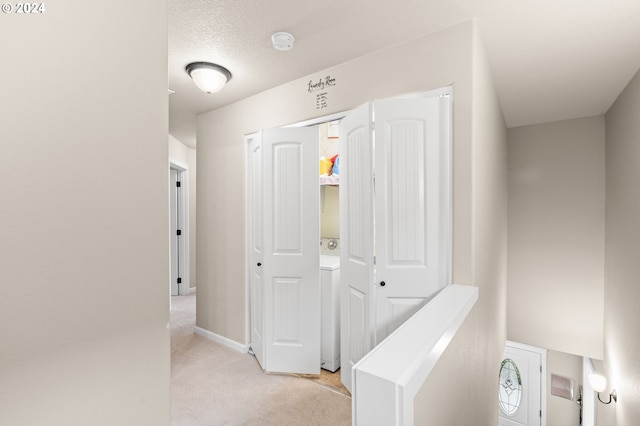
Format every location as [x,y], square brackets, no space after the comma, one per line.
[319,120]
[192,290]
[247,246]
[387,379]
[446,121]
[526,347]
[441,91]
[588,394]
[236,346]
[178,165]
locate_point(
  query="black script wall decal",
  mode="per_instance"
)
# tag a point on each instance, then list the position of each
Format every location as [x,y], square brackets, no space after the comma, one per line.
[321,85]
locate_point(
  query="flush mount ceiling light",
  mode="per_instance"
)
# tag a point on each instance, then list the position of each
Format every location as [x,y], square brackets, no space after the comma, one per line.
[210,78]
[282,41]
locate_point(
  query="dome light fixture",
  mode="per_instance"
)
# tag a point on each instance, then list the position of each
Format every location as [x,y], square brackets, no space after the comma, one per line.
[210,78]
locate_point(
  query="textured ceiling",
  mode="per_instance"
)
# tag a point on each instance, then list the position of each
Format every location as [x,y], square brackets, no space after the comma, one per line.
[551,60]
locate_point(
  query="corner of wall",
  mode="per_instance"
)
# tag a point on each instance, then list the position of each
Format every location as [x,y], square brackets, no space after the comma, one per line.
[621,315]
[475,352]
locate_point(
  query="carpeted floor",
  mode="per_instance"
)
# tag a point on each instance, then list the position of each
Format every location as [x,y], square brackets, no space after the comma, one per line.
[215,385]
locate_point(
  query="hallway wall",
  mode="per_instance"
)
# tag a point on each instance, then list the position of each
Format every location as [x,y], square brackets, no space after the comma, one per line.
[556,235]
[562,411]
[622,268]
[84,248]
[475,353]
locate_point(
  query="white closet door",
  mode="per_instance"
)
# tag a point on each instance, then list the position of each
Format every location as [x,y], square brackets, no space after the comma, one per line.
[408,227]
[291,269]
[255,229]
[356,238]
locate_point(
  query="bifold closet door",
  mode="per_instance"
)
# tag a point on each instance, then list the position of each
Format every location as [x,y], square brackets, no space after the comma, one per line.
[411,199]
[291,256]
[255,240]
[356,239]
[394,217]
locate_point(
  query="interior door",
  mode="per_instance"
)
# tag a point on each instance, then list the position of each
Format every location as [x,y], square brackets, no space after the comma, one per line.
[255,231]
[411,189]
[520,388]
[356,238]
[174,217]
[291,255]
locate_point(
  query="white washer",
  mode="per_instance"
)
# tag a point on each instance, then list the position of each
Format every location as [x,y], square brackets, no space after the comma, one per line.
[330,312]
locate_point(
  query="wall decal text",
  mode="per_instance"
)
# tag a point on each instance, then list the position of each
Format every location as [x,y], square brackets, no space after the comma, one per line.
[321,85]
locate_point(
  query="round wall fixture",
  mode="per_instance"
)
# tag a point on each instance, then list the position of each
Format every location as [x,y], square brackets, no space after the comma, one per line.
[282,41]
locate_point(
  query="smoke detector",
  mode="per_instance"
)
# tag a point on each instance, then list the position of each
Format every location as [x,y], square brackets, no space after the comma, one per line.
[282,41]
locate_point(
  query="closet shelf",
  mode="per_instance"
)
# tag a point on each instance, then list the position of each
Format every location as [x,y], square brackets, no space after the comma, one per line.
[330,180]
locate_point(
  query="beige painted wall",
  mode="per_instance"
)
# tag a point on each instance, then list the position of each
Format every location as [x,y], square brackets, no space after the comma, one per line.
[330,213]
[556,236]
[562,411]
[84,253]
[622,268]
[187,156]
[468,369]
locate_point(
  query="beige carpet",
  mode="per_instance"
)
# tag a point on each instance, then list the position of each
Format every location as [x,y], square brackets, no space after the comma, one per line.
[214,385]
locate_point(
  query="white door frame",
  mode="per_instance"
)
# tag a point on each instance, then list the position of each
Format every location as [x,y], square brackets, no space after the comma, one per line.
[183,208]
[247,246]
[588,394]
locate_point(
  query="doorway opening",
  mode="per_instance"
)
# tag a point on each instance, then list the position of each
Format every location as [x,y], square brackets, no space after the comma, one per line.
[179,229]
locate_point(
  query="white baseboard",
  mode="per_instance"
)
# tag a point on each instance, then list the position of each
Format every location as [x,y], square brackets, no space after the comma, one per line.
[242,348]
[191,290]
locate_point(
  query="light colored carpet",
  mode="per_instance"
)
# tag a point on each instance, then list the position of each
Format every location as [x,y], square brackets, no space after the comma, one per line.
[215,385]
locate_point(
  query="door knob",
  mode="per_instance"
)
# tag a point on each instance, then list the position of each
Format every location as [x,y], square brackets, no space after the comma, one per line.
[382,283]
[259,264]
